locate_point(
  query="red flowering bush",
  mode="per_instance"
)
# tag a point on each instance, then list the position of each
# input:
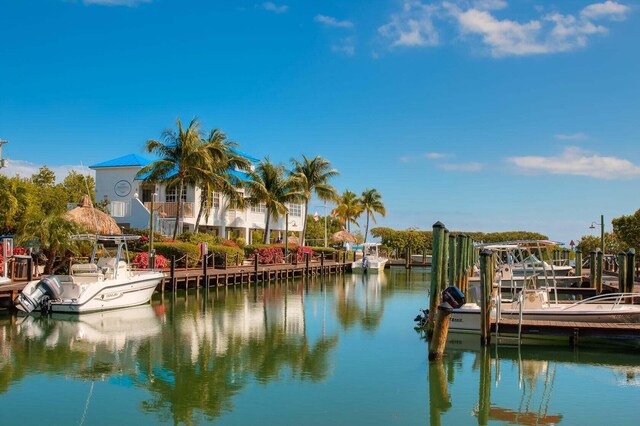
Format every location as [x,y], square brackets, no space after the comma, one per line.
[300,252]
[20,251]
[229,243]
[142,261]
[268,255]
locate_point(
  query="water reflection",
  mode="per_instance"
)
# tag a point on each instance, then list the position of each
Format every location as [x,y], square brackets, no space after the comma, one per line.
[525,395]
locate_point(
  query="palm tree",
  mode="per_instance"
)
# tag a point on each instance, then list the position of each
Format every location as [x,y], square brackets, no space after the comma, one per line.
[270,184]
[348,209]
[220,177]
[371,202]
[184,159]
[312,177]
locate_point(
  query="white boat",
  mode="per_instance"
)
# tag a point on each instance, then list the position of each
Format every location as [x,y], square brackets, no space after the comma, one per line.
[536,304]
[532,265]
[371,259]
[106,282]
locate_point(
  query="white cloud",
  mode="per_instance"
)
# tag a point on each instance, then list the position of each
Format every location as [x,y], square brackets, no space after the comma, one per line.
[345,46]
[574,161]
[427,155]
[332,22]
[25,169]
[462,167]
[571,136]
[413,26]
[435,155]
[272,7]
[128,3]
[608,9]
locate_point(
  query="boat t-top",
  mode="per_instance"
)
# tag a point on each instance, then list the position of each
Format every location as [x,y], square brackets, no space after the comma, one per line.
[106,282]
[371,259]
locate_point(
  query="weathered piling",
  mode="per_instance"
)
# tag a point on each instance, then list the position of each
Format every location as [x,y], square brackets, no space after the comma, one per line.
[452,260]
[487,272]
[458,265]
[631,271]
[592,268]
[622,272]
[578,263]
[205,276]
[484,393]
[440,331]
[444,275]
[436,274]
[599,269]
[439,399]
[173,272]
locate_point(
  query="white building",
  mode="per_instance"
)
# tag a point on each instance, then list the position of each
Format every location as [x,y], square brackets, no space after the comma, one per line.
[130,203]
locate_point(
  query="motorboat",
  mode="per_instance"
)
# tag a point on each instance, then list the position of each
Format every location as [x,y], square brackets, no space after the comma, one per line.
[371,259]
[532,265]
[106,282]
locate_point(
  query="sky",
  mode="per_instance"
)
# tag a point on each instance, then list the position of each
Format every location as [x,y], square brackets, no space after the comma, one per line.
[486,115]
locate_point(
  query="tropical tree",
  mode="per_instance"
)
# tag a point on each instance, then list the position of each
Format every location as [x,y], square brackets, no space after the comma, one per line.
[312,177]
[184,159]
[371,203]
[270,184]
[220,177]
[348,209]
[44,177]
[627,229]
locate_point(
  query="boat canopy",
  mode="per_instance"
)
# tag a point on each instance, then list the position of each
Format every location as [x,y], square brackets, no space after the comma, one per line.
[98,237]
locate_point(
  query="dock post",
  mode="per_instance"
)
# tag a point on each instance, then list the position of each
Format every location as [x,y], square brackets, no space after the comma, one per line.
[459,239]
[306,261]
[631,271]
[452,260]
[622,273]
[255,266]
[173,273]
[204,270]
[30,269]
[436,275]
[484,397]
[592,268]
[407,257]
[486,283]
[440,331]
[322,263]
[468,261]
[578,263]
[445,261]
[599,268]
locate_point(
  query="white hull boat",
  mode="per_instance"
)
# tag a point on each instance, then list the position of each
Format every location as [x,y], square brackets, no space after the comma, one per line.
[371,260]
[109,283]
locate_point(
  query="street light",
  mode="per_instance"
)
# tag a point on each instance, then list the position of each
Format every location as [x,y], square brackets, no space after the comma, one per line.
[325,222]
[593,226]
[286,234]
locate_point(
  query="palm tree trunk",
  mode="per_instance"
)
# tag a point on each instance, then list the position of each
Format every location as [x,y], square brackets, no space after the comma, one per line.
[203,200]
[265,237]
[304,222]
[178,209]
[366,229]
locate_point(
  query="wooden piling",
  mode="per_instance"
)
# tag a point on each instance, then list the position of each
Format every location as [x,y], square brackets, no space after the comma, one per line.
[631,271]
[622,272]
[255,266]
[484,396]
[436,274]
[322,263]
[599,269]
[205,277]
[444,265]
[440,331]
[592,268]
[578,267]
[486,283]
[173,273]
[452,260]
[306,261]
[30,269]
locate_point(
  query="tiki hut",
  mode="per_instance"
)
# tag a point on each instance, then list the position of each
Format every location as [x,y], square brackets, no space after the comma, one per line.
[293,240]
[91,218]
[343,237]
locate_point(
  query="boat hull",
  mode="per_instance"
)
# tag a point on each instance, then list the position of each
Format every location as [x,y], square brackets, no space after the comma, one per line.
[373,265]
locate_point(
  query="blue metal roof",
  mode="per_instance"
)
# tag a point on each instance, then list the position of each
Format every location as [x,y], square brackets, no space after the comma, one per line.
[131,160]
[242,176]
[245,155]
[173,172]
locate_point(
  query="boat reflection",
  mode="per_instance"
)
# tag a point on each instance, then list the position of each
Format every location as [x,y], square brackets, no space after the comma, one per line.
[531,373]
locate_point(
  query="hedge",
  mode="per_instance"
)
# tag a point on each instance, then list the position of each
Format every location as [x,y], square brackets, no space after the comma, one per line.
[325,250]
[219,252]
[200,237]
[179,249]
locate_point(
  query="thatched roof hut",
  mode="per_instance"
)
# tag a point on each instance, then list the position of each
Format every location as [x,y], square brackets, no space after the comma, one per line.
[91,218]
[343,237]
[293,240]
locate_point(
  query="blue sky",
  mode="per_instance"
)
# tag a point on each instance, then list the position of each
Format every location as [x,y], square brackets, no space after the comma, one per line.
[486,115]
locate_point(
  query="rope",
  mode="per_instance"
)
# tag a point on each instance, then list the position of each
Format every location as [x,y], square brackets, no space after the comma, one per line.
[86,404]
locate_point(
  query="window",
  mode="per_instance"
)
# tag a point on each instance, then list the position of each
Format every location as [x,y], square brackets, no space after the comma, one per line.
[215,196]
[260,208]
[295,210]
[171,195]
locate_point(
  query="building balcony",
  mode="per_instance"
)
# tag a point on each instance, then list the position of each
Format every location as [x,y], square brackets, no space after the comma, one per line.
[170,209]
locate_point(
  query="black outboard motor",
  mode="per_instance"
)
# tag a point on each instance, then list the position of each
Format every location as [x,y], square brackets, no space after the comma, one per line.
[48,288]
[453,296]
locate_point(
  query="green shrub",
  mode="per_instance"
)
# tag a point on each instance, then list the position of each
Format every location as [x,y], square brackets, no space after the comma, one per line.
[231,252]
[200,237]
[325,250]
[179,249]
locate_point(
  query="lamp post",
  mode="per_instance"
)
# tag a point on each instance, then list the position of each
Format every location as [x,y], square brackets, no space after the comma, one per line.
[593,226]
[3,161]
[286,234]
[152,257]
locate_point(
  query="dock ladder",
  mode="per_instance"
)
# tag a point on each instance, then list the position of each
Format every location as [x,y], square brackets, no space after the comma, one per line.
[513,340]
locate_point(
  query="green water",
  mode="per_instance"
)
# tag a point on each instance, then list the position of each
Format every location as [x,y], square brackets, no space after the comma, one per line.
[339,351]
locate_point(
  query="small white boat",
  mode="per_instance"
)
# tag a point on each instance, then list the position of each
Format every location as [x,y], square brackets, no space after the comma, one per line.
[106,282]
[534,266]
[371,259]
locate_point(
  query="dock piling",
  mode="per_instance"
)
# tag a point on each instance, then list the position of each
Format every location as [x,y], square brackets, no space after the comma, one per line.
[436,275]
[440,331]
[486,283]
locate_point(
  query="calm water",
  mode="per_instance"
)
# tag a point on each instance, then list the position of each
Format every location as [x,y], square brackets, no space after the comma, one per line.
[337,351]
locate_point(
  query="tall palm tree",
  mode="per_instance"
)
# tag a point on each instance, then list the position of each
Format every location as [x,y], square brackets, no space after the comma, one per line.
[220,177]
[312,177]
[270,184]
[371,203]
[184,159]
[348,209]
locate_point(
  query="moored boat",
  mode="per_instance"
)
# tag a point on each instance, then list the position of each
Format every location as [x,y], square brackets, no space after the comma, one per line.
[371,259]
[106,282]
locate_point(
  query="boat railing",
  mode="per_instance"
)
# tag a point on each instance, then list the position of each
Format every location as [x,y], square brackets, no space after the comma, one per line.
[616,298]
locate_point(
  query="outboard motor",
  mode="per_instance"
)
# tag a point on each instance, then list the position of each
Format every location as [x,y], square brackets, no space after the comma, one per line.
[453,296]
[48,288]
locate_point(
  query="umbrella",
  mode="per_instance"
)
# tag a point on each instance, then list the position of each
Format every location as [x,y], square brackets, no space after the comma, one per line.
[343,237]
[92,219]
